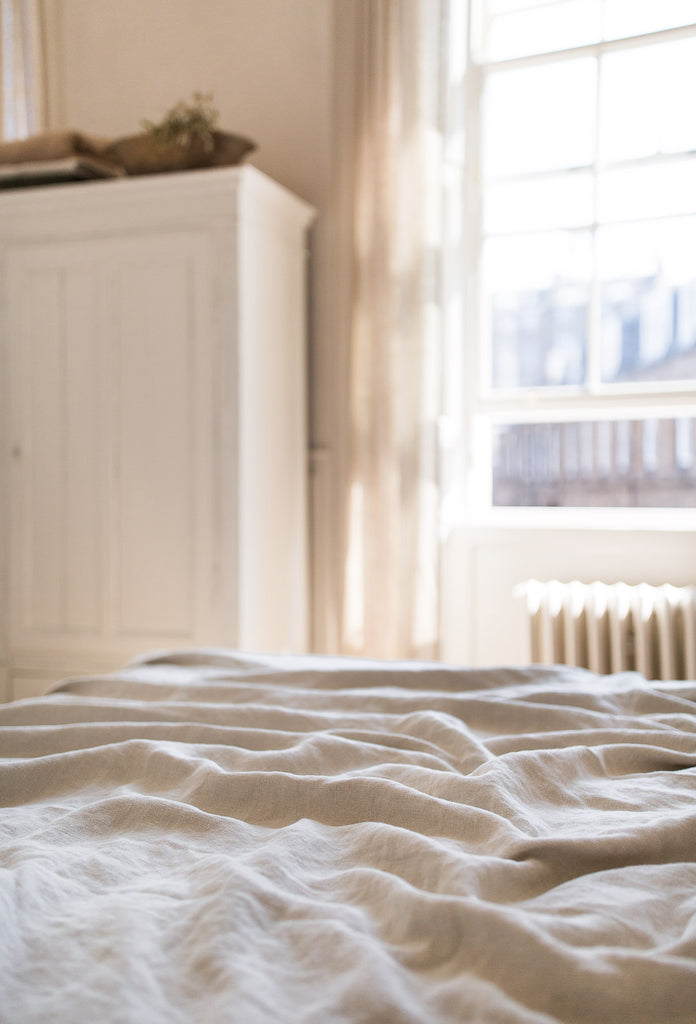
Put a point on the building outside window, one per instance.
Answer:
(581, 200)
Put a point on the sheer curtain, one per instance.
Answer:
(21, 60)
(391, 493)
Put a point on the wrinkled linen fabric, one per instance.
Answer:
(216, 837)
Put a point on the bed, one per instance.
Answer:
(210, 836)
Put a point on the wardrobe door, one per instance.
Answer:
(160, 351)
(111, 427)
(57, 440)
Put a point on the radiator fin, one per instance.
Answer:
(613, 627)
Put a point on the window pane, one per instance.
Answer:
(648, 301)
(539, 118)
(558, 201)
(646, 101)
(543, 29)
(602, 463)
(647, 190)
(536, 298)
(633, 17)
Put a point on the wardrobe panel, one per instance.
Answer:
(155, 491)
(56, 440)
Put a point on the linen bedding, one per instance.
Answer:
(209, 836)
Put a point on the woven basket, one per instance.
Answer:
(144, 154)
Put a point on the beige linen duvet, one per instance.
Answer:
(212, 837)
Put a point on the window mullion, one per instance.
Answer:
(477, 370)
(593, 351)
(593, 49)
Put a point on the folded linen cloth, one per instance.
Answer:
(49, 146)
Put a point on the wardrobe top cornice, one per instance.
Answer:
(190, 196)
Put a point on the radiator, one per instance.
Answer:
(613, 627)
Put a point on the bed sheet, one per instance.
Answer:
(209, 836)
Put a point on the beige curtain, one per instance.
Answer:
(21, 61)
(390, 556)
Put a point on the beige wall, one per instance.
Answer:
(270, 66)
(267, 62)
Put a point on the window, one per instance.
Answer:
(582, 126)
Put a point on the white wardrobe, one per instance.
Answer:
(153, 408)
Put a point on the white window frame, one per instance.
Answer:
(467, 445)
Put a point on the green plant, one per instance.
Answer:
(186, 122)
